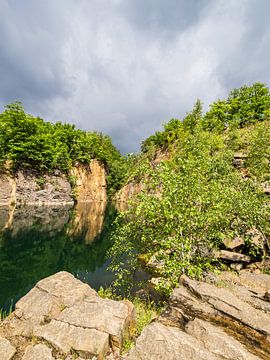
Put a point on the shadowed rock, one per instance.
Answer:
(231, 256)
(204, 321)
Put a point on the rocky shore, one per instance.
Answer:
(226, 316)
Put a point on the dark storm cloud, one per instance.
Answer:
(30, 62)
(122, 66)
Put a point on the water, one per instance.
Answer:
(36, 242)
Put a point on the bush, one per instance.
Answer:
(190, 204)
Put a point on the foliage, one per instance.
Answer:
(194, 117)
(259, 152)
(145, 311)
(29, 142)
(162, 139)
(5, 313)
(244, 106)
(190, 204)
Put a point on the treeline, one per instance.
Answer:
(30, 142)
(244, 106)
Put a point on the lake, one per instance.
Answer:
(36, 242)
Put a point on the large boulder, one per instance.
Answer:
(70, 317)
(225, 320)
(6, 349)
(158, 341)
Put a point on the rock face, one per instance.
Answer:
(206, 321)
(39, 351)
(90, 182)
(30, 188)
(70, 318)
(127, 193)
(48, 189)
(6, 349)
(7, 190)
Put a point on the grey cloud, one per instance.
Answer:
(30, 61)
(122, 66)
(163, 16)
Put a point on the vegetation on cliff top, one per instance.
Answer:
(30, 142)
(197, 197)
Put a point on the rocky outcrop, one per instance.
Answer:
(134, 187)
(7, 190)
(127, 193)
(65, 317)
(30, 188)
(90, 182)
(224, 317)
(209, 321)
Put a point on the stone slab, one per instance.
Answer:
(161, 342)
(7, 351)
(217, 341)
(67, 337)
(38, 352)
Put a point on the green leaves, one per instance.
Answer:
(244, 106)
(30, 142)
(203, 200)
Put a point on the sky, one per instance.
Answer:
(124, 67)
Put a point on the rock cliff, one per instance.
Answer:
(30, 188)
(134, 187)
(90, 182)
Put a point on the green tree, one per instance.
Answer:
(194, 117)
(190, 203)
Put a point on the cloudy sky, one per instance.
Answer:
(126, 66)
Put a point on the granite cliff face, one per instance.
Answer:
(30, 188)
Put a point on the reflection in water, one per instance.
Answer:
(36, 242)
(88, 220)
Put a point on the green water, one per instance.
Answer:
(36, 242)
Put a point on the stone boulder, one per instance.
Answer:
(222, 320)
(70, 318)
(6, 349)
(233, 243)
(158, 341)
(231, 256)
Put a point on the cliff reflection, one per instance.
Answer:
(85, 220)
(88, 220)
(36, 242)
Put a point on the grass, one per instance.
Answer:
(5, 313)
(145, 311)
